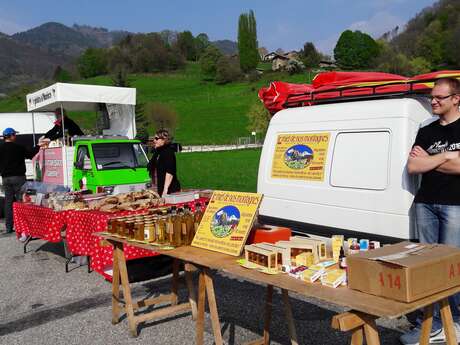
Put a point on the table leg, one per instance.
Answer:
(357, 336)
(213, 308)
(191, 289)
(201, 304)
(175, 282)
(115, 288)
(126, 290)
(426, 325)
(268, 314)
(448, 322)
(371, 332)
(289, 317)
(88, 261)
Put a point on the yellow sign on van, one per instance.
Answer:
(227, 221)
(300, 156)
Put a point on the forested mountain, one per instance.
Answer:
(227, 47)
(57, 38)
(22, 64)
(433, 34)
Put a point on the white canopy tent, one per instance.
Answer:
(119, 102)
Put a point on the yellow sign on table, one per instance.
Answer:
(227, 221)
(300, 156)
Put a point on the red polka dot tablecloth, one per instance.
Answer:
(80, 239)
(39, 222)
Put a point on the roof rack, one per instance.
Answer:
(96, 137)
(371, 90)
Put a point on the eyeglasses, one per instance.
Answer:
(157, 138)
(441, 98)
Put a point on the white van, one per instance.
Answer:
(30, 126)
(341, 168)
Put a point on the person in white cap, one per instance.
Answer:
(13, 171)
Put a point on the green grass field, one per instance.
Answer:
(225, 170)
(207, 113)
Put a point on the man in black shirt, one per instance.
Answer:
(13, 171)
(435, 155)
(69, 125)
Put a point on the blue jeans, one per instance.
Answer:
(12, 186)
(440, 224)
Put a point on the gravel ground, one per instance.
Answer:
(41, 304)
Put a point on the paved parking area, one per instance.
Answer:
(41, 304)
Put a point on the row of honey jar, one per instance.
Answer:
(170, 226)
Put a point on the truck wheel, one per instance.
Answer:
(2, 207)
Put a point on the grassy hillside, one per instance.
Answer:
(226, 170)
(208, 113)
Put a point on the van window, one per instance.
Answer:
(83, 159)
(361, 160)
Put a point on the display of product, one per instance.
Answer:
(160, 226)
(364, 244)
(334, 278)
(337, 243)
(311, 275)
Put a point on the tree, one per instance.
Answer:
(247, 42)
(420, 65)
(227, 70)
(141, 123)
(201, 43)
(355, 50)
(186, 44)
(259, 118)
(120, 77)
(208, 62)
(310, 56)
(430, 43)
(61, 75)
(160, 116)
(92, 62)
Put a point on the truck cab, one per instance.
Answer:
(109, 165)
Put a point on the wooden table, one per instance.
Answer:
(364, 308)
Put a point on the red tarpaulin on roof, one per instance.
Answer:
(330, 85)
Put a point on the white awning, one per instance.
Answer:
(79, 97)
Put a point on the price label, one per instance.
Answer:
(390, 280)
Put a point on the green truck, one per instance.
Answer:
(109, 165)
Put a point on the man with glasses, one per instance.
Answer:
(435, 155)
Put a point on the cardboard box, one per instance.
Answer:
(405, 271)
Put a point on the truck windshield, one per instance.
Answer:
(119, 156)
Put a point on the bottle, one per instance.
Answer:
(180, 228)
(354, 248)
(197, 215)
(161, 231)
(188, 223)
(170, 218)
(342, 259)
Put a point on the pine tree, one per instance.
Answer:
(247, 41)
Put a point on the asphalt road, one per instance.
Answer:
(41, 304)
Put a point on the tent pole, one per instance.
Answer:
(64, 151)
(33, 128)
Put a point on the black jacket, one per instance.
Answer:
(164, 161)
(12, 158)
(71, 127)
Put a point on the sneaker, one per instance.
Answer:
(413, 336)
(436, 336)
(23, 237)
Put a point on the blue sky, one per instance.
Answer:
(285, 24)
